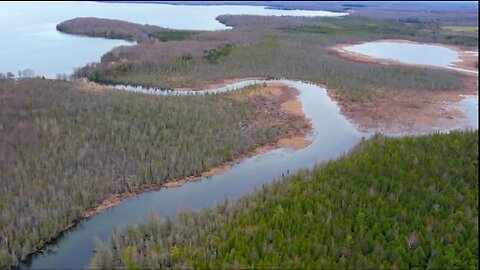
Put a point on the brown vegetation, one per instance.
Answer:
(278, 47)
(390, 203)
(76, 147)
(277, 100)
(466, 63)
(412, 111)
(108, 28)
(378, 97)
(419, 12)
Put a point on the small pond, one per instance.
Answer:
(408, 53)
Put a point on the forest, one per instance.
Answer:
(400, 203)
(408, 202)
(64, 149)
(455, 13)
(116, 29)
(295, 48)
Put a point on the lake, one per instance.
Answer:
(29, 39)
(408, 53)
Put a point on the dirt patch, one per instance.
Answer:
(91, 86)
(175, 183)
(410, 111)
(108, 203)
(468, 63)
(291, 112)
(296, 143)
(293, 107)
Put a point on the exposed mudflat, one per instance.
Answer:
(467, 64)
(412, 111)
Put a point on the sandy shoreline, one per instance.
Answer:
(465, 65)
(411, 111)
(416, 112)
(398, 113)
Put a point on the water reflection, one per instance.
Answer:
(332, 136)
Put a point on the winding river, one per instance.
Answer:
(332, 136)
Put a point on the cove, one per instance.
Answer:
(29, 39)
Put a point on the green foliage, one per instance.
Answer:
(215, 55)
(400, 203)
(64, 149)
(283, 58)
(115, 35)
(461, 40)
(361, 28)
(172, 35)
(318, 30)
(468, 29)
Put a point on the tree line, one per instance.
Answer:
(64, 149)
(399, 203)
(281, 47)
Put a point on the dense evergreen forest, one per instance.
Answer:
(277, 47)
(399, 203)
(64, 149)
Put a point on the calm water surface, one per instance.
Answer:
(469, 104)
(409, 53)
(333, 135)
(29, 39)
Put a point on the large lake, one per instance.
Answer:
(29, 39)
